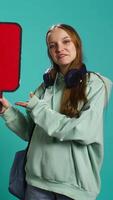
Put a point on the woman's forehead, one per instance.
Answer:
(57, 33)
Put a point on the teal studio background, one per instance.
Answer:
(94, 22)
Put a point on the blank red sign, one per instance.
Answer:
(10, 56)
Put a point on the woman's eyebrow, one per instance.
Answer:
(66, 37)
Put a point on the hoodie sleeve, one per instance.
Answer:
(86, 129)
(20, 123)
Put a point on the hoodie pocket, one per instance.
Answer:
(57, 163)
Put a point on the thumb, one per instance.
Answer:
(31, 94)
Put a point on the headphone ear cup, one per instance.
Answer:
(73, 76)
(48, 81)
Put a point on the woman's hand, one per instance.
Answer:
(24, 104)
(4, 105)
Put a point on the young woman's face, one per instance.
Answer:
(61, 48)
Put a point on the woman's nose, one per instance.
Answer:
(59, 47)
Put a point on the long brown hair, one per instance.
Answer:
(71, 96)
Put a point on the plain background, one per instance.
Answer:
(93, 19)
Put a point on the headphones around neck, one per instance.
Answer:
(72, 77)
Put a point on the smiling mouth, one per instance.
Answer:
(62, 56)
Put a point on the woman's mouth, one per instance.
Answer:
(62, 56)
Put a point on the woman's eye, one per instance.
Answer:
(66, 41)
(51, 46)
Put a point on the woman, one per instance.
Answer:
(66, 150)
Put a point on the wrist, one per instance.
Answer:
(3, 109)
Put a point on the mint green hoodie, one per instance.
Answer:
(65, 154)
